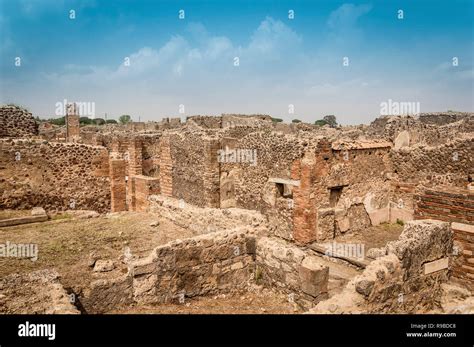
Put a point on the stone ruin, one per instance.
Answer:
(264, 200)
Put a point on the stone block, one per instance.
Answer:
(313, 276)
(436, 265)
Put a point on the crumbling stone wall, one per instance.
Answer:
(428, 129)
(291, 270)
(405, 278)
(195, 175)
(207, 264)
(56, 176)
(203, 265)
(208, 122)
(17, 122)
(448, 164)
(204, 220)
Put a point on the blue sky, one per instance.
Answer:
(282, 61)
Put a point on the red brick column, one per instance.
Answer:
(117, 185)
(463, 264)
(72, 128)
(135, 157)
(305, 213)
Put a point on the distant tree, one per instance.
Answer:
(277, 120)
(331, 120)
(296, 121)
(57, 121)
(320, 122)
(85, 121)
(99, 121)
(124, 119)
(111, 121)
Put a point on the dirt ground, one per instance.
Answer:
(374, 236)
(65, 243)
(256, 301)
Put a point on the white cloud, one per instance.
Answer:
(347, 15)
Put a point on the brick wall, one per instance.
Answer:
(166, 167)
(463, 265)
(72, 128)
(143, 187)
(118, 188)
(451, 205)
(456, 206)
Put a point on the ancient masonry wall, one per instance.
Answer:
(352, 188)
(56, 176)
(17, 122)
(134, 168)
(448, 204)
(203, 265)
(166, 167)
(204, 220)
(431, 130)
(289, 269)
(463, 265)
(118, 189)
(447, 164)
(406, 278)
(143, 188)
(151, 155)
(455, 206)
(195, 169)
(72, 128)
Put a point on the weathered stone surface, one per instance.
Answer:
(364, 287)
(313, 276)
(103, 266)
(38, 211)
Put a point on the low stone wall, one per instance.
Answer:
(202, 265)
(289, 269)
(203, 220)
(406, 278)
